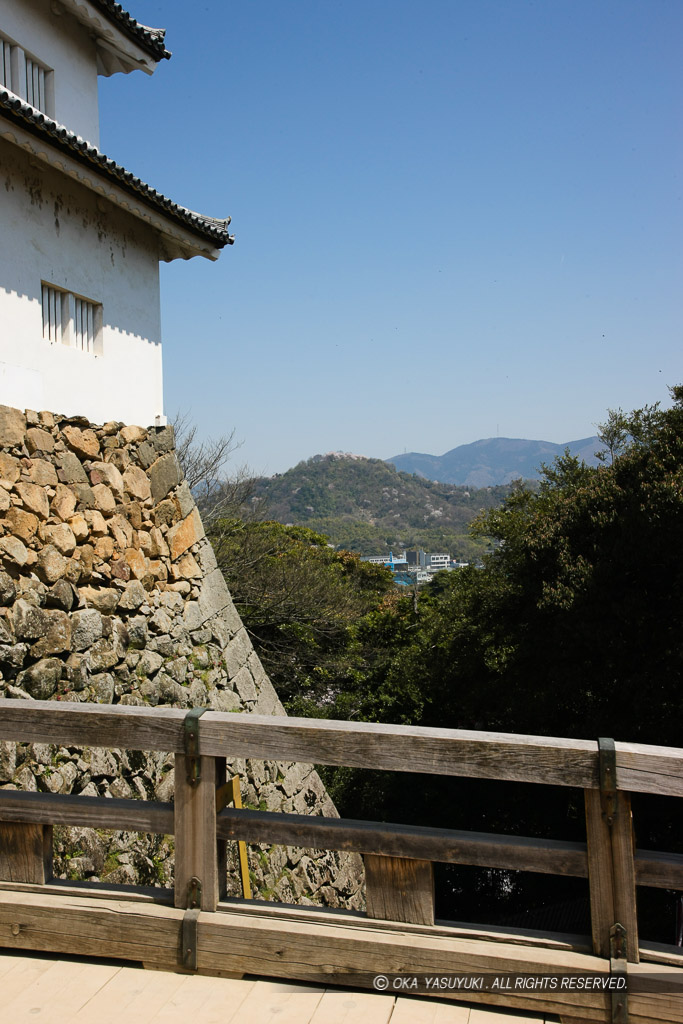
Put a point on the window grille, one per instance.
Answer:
(84, 325)
(35, 84)
(25, 76)
(70, 320)
(52, 314)
(6, 64)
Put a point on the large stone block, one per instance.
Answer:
(163, 476)
(34, 499)
(22, 524)
(107, 473)
(83, 442)
(13, 552)
(42, 473)
(12, 426)
(104, 499)
(136, 483)
(237, 653)
(42, 679)
(86, 629)
(184, 534)
(213, 596)
(38, 440)
(61, 537)
(57, 637)
(29, 622)
(132, 434)
(64, 502)
(10, 469)
(163, 438)
(70, 469)
(51, 565)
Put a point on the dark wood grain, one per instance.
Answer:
(398, 889)
(389, 840)
(540, 759)
(25, 852)
(92, 811)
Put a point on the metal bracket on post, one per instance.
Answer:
(191, 744)
(608, 779)
(618, 970)
(190, 924)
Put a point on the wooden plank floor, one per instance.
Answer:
(49, 990)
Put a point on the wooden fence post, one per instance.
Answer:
(611, 872)
(399, 889)
(198, 853)
(25, 852)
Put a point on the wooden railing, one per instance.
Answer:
(398, 859)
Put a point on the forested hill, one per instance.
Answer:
(366, 505)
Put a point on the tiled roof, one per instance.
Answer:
(16, 110)
(152, 39)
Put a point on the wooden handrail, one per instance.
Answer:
(398, 858)
(486, 755)
(480, 849)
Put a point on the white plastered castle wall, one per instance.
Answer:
(60, 233)
(65, 46)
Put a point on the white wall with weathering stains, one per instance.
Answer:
(68, 50)
(56, 231)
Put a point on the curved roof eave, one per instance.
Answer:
(16, 110)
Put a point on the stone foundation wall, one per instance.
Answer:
(110, 592)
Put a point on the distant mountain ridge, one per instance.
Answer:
(493, 460)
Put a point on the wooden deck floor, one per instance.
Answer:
(50, 990)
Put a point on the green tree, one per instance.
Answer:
(299, 600)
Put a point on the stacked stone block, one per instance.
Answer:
(110, 592)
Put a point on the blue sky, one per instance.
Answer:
(453, 218)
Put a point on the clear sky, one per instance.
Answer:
(453, 218)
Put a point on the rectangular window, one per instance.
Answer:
(71, 320)
(26, 76)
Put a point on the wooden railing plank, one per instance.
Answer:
(435, 844)
(92, 725)
(504, 756)
(658, 869)
(516, 853)
(306, 949)
(91, 811)
(403, 748)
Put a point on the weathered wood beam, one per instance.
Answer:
(197, 853)
(481, 849)
(25, 852)
(399, 889)
(611, 873)
(91, 811)
(515, 853)
(504, 756)
(314, 948)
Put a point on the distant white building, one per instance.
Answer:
(81, 236)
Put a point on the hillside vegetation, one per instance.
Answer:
(367, 506)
